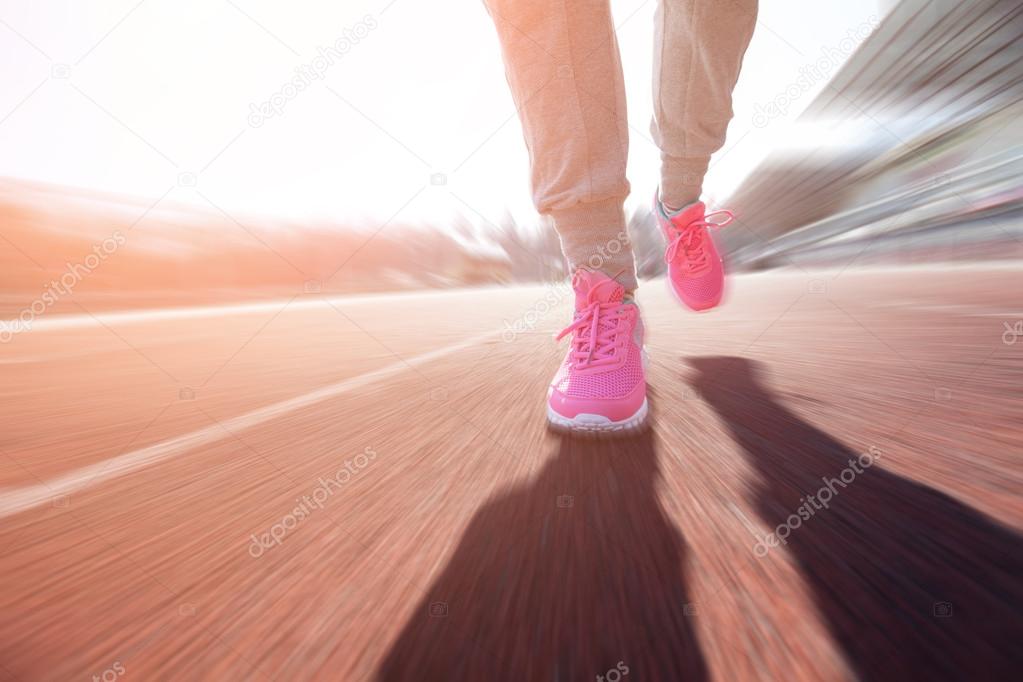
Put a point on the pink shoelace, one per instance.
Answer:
(692, 238)
(594, 332)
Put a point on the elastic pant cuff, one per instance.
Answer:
(682, 179)
(603, 248)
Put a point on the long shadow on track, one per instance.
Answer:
(543, 587)
(912, 583)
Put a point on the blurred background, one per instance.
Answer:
(275, 335)
(251, 160)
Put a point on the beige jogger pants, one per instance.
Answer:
(562, 63)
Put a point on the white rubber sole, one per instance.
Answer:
(596, 423)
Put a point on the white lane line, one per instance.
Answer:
(73, 321)
(15, 500)
(964, 309)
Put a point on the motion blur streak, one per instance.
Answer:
(479, 546)
(913, 152)
(179, 379)
(13, 501)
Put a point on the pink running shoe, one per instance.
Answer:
(600, 385)
(694, 266)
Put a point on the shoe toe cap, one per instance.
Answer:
(615, 409)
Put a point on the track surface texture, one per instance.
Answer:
(365, 489)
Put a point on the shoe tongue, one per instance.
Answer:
(596, 287)
(689, 214)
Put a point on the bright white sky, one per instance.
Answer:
(126, 96)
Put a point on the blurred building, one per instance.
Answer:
(913, 151)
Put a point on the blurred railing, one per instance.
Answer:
(915, 149)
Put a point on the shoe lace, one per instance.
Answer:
(691, 241)
(595, 334)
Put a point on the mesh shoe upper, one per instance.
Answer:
(604, 361)
(612, 383)
(694, 265)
